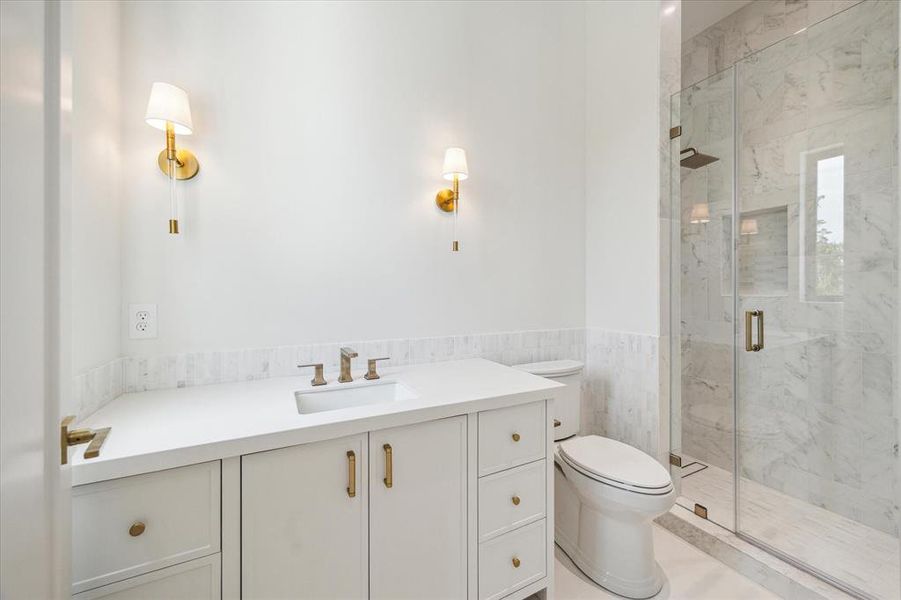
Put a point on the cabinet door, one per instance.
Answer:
(418, 524)
(303, 535)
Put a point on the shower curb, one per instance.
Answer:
(776, 575)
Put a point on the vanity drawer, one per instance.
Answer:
(125, 527)
(498, 573)
(511, 499)
(195, 580)
(511, 436)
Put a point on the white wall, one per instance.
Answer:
(96, 202)
(320, 129)
(622, 166)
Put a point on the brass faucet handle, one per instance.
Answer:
(318, 379)
(371, 373)
(348, 352)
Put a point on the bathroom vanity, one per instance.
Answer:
(434, 481)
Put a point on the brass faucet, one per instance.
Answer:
(346, 355)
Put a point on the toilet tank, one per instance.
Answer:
(568, 400)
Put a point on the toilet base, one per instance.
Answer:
(638, 590)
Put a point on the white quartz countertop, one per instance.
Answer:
(172, 428)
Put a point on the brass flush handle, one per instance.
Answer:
(515, 500)
(516, 563)
(750, 346)
(136, 529)
(389, 466)
(515, 437)
(351, 473)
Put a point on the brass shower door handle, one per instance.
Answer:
(351, 473)
(389, 466)
(750, 315)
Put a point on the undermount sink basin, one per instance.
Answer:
(363, 394)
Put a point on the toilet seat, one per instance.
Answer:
(615, 464)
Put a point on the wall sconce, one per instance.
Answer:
(700, 213)
(168, 110)
(448, 200)
(749, 227)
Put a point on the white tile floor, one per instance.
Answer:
(850, 551)
(690, 575)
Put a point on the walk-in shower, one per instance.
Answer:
(784, 277)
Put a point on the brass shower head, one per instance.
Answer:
(696, 160)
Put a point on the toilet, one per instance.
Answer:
(606, 494)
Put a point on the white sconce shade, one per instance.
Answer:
(169, 103)
(700, 213)
(455, 164)
(749, 227)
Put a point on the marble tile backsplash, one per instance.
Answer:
(96, 387)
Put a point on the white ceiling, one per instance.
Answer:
(698, 15)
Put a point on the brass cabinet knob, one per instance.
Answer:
(515, 500)
(557, 423)
(516, 563)
(515, 437)
(136, 529)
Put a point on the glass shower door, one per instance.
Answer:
(817, 244)
(701, 387)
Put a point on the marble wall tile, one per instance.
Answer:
(97, 387)
(621, 388)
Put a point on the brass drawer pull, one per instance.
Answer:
(136, 529)
(389, 466)
(515, 437)
(516, 500)
(351, 473)
(516, 563)
(557, 423)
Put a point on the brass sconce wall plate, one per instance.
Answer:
(445, 200)
(186, 167)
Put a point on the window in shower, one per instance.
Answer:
(823, 226)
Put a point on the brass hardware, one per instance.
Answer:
(318, 379)
(346, 355)
(351, 473)
(557, 423)
(97, 440)
(389, 466)
(173, 226)
(370, 371)
(186, 165)
(675, 460)
(445, 200)
(67, 438)
(516, 563)
(750, 346)
(515, 437)
(515, 500)
(455, 246)
(675, 132)
(136, 529)
(701, 511)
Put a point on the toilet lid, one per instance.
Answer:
(609, 459)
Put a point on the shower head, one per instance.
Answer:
(696, 160)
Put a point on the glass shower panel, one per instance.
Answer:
(701, 297)
(817, 244)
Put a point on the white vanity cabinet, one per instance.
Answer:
(304, 521)
(456, 506)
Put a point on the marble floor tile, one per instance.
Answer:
(861, 556)
(690, 575)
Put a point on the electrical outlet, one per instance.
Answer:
(141, 321)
